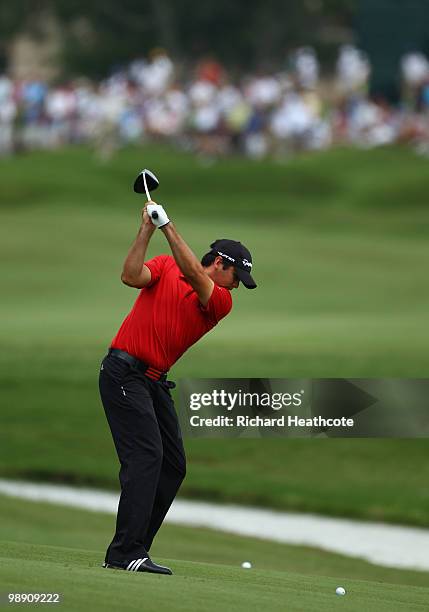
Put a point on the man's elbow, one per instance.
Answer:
(127, 280)
(138, 282)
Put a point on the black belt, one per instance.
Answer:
(149, 371)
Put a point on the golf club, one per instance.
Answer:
(146, 182)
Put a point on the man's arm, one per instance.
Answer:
(189, 264)
(135, 273)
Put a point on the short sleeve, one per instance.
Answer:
(156, 267)
(219, 304)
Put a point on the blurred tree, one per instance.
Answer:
(21, 17)
(100, 34)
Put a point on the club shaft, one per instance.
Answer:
(145, 187)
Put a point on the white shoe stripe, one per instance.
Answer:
(136, 567)
(131, 565)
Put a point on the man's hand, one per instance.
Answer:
(146, 220)
(157, 214)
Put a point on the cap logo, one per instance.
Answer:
(247, 263)
(227, 256)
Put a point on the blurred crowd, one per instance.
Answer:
(206, 111)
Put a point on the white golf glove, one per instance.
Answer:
(157, 215)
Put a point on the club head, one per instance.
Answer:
(151, 181)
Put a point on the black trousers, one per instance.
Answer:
(147, 437)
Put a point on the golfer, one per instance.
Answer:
(180, 300)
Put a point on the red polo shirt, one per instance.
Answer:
(167, 317)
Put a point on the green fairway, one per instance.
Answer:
(83, 585)
(340, 248)
(206, 564)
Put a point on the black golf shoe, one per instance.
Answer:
(138, 565)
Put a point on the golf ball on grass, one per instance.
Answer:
(246, 565)
(340, 591)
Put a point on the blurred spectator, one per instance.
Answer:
(153, 76)
(415, 73)
(263, 91)
(425, 96)
(60, 109)
(306, 67)
(415, 68)
(8, 112)
(210, 70)
(236, 112)
(353, 70)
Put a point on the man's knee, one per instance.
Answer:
(175, 470)
(181, 470)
